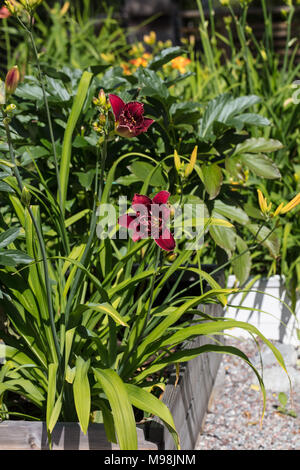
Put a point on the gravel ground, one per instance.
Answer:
(233, 418)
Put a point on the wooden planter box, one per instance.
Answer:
(187, 401)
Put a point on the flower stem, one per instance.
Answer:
(153, 283)
(87, 252)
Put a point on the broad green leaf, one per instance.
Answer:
(261, 165)
(149, 403)
(165, 56)
(268, 239)
(142, 169)
(55, 413)
(250, 119)
(52, 371)
(9, 236)
(209, 279)
(22, 386)
(6, 188)
(82, 393)
(13, 258)
(213, 178)
(158, 332)
(242, 264)
(67, 142)
(258, 145)
(108, 310)
(232, 212)
(222, 110)
(225, 237)
(117, 395)
(216, 327)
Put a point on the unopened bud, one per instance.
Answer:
(13, 6)
(10, 108)
(172, 257)
(190, 166)
(26, 197)
(30, 5)
(102, 98)
(177, 161)
(102, 119)
(248, 29)
(12, 80)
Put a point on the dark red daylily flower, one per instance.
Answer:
(150, 219)
(129, 117)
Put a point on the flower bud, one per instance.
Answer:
(102, 98)
(13, 7)
(26, 197)
(177, 161)
(12, 80)
(10, 108)
(190, 166)
(150, 38)
(30, 5)
(248, 29)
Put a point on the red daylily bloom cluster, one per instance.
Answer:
(150, 220)
(129, 117)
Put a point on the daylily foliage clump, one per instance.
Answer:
(91, 324)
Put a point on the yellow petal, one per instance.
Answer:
(177, 160)
(192, 162)
(293, 203)
(278, 210)
(262, 201)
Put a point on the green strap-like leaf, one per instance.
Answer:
(67, 142)
(82, 393)
(52, 370)
(117, 395)
(149, 403)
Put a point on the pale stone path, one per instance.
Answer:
(234, 414)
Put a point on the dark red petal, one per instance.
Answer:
(141, 199)
(143, 127)
(125, 220)
(117, 105)
(135, 108)
(166, 241)
(147, 123)
(161, 197)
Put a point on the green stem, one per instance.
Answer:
(155, 274)
(207, 47)
(55, 350)
(87, 252)
(7, 44)
(289, 33)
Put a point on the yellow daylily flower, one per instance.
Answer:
(281, 209)
(190, 166)
(290, 205)
(264, 207)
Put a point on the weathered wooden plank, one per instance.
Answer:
(188, 401)
(26, 435)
